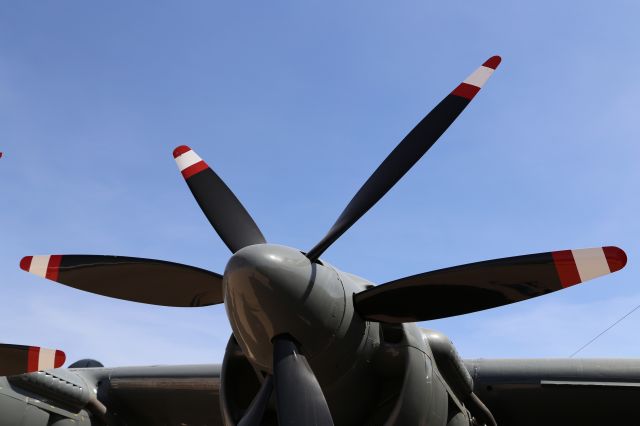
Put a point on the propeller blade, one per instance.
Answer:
(299, 398)
(483, 285)
(18, 359)
(224, 211)
(407, 153)
(129, 278)
(255, 412)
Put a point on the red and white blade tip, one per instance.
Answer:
(47, 266)
(616, 258)
(43, 359)
(578, 266)
(492, 62)
(189, 163)
(472, 84)
(180, 150)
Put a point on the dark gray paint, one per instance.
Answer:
(369, 372)
(225, 212)
(558, 391)
(299, 397)
(518, 392)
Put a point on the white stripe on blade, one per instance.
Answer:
(39, 265)
(479, 76)
(591, 263)
(46, 359)
(187, 159)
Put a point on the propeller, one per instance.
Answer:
(224, 211)
(255, 412)
(18, 359)
(154, 281)
(483, 285)
(299, 398)
(172, 284)
(407, 153)
(129, 278)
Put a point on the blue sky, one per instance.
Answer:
(294, 104)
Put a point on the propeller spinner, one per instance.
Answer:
(287, 308)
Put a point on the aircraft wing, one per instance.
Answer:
(558, 391)
(519, 392)
(167, 395)
(162, 395)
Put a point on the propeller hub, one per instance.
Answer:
(271, 290)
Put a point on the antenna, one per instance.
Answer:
(604, 331)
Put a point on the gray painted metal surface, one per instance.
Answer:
(517, 391)
(558, 391)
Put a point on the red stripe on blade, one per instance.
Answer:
(32, 359)
(493, 62)
(59, 359)
(466, 91)
(566, 267)
(25, 263)
(616, 258)
(180, 150)
(194, 169)
(53, 267)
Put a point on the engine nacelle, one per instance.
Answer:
(61, 399)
